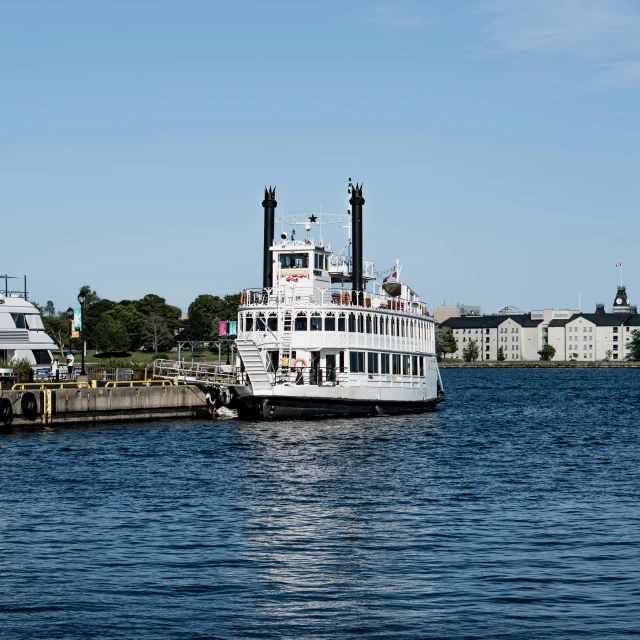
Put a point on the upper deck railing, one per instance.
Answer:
(332, 297)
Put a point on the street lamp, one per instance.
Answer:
(81, 300)
(70, 316)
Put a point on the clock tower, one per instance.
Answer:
(621, 302)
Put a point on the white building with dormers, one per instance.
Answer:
(574, 335)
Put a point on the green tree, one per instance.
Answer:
(501, 354)
(92, 318)
(58, 328)
(110, 335)
(50, 308)
(156, 334)
(153, 303)
(204, 313)
(634, 345)
(445, 342)
(471, 351)
(231, 304)
(132, 320)
(547, 352)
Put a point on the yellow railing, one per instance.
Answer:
(21, 386)
(141, 383)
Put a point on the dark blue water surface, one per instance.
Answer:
(512, 513)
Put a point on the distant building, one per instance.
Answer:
(574, 335)
(517, 335)
(508, 310)
(442, 313)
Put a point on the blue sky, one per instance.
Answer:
(497, 141)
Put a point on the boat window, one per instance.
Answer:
(341, 322)
(34, 322)
(360, 323)
(301, 323)
(406, 371)
(294, 260)
(422, 367)
(411, 328)
(414, 365)
(330, 322)
(369, 330)
(372, 362)
(272, 323)
(316, 322)
(352, 322)
(320, 261)
(248, 323)
(260, 323)
(18, 319)
(356, 361)
(384, 363)
(41, 356)
(375, 324)
(395, 361)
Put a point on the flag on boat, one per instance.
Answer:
(222, 328)
(619, 264)
(393, 275)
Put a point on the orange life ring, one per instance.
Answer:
(241, 299)
(295, 363)
(345, 297)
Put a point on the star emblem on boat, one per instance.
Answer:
(312, 218)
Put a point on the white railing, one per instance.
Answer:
(194, 371)
(333, 297)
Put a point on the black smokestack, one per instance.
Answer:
(356, 201)
(269, 203)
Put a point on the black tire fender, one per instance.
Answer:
(6, 411)
(29, 406)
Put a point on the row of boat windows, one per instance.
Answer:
(301, 261)
(386, 363)
(351, 322)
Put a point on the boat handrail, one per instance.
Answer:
(334, 297)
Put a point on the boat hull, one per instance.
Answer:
(250, 407)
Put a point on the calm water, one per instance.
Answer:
(513, 513)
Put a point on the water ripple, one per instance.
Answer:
(511, 514)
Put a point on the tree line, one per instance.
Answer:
(148, 323)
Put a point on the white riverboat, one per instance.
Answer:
(22, 334)
(326, 335)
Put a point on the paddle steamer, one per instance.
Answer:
(326, 335)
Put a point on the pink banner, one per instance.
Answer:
(222, 328)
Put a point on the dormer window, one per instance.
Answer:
(294, 260)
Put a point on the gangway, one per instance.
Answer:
(191, 372)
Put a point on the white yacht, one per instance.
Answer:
(22, 333)
(327, 335)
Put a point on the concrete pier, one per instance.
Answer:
(34, 406)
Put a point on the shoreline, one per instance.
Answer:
(532, 364)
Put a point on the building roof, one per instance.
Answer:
(605, 319)
(599, 319)
(473, 322)
(525, 321)
(488, 322)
